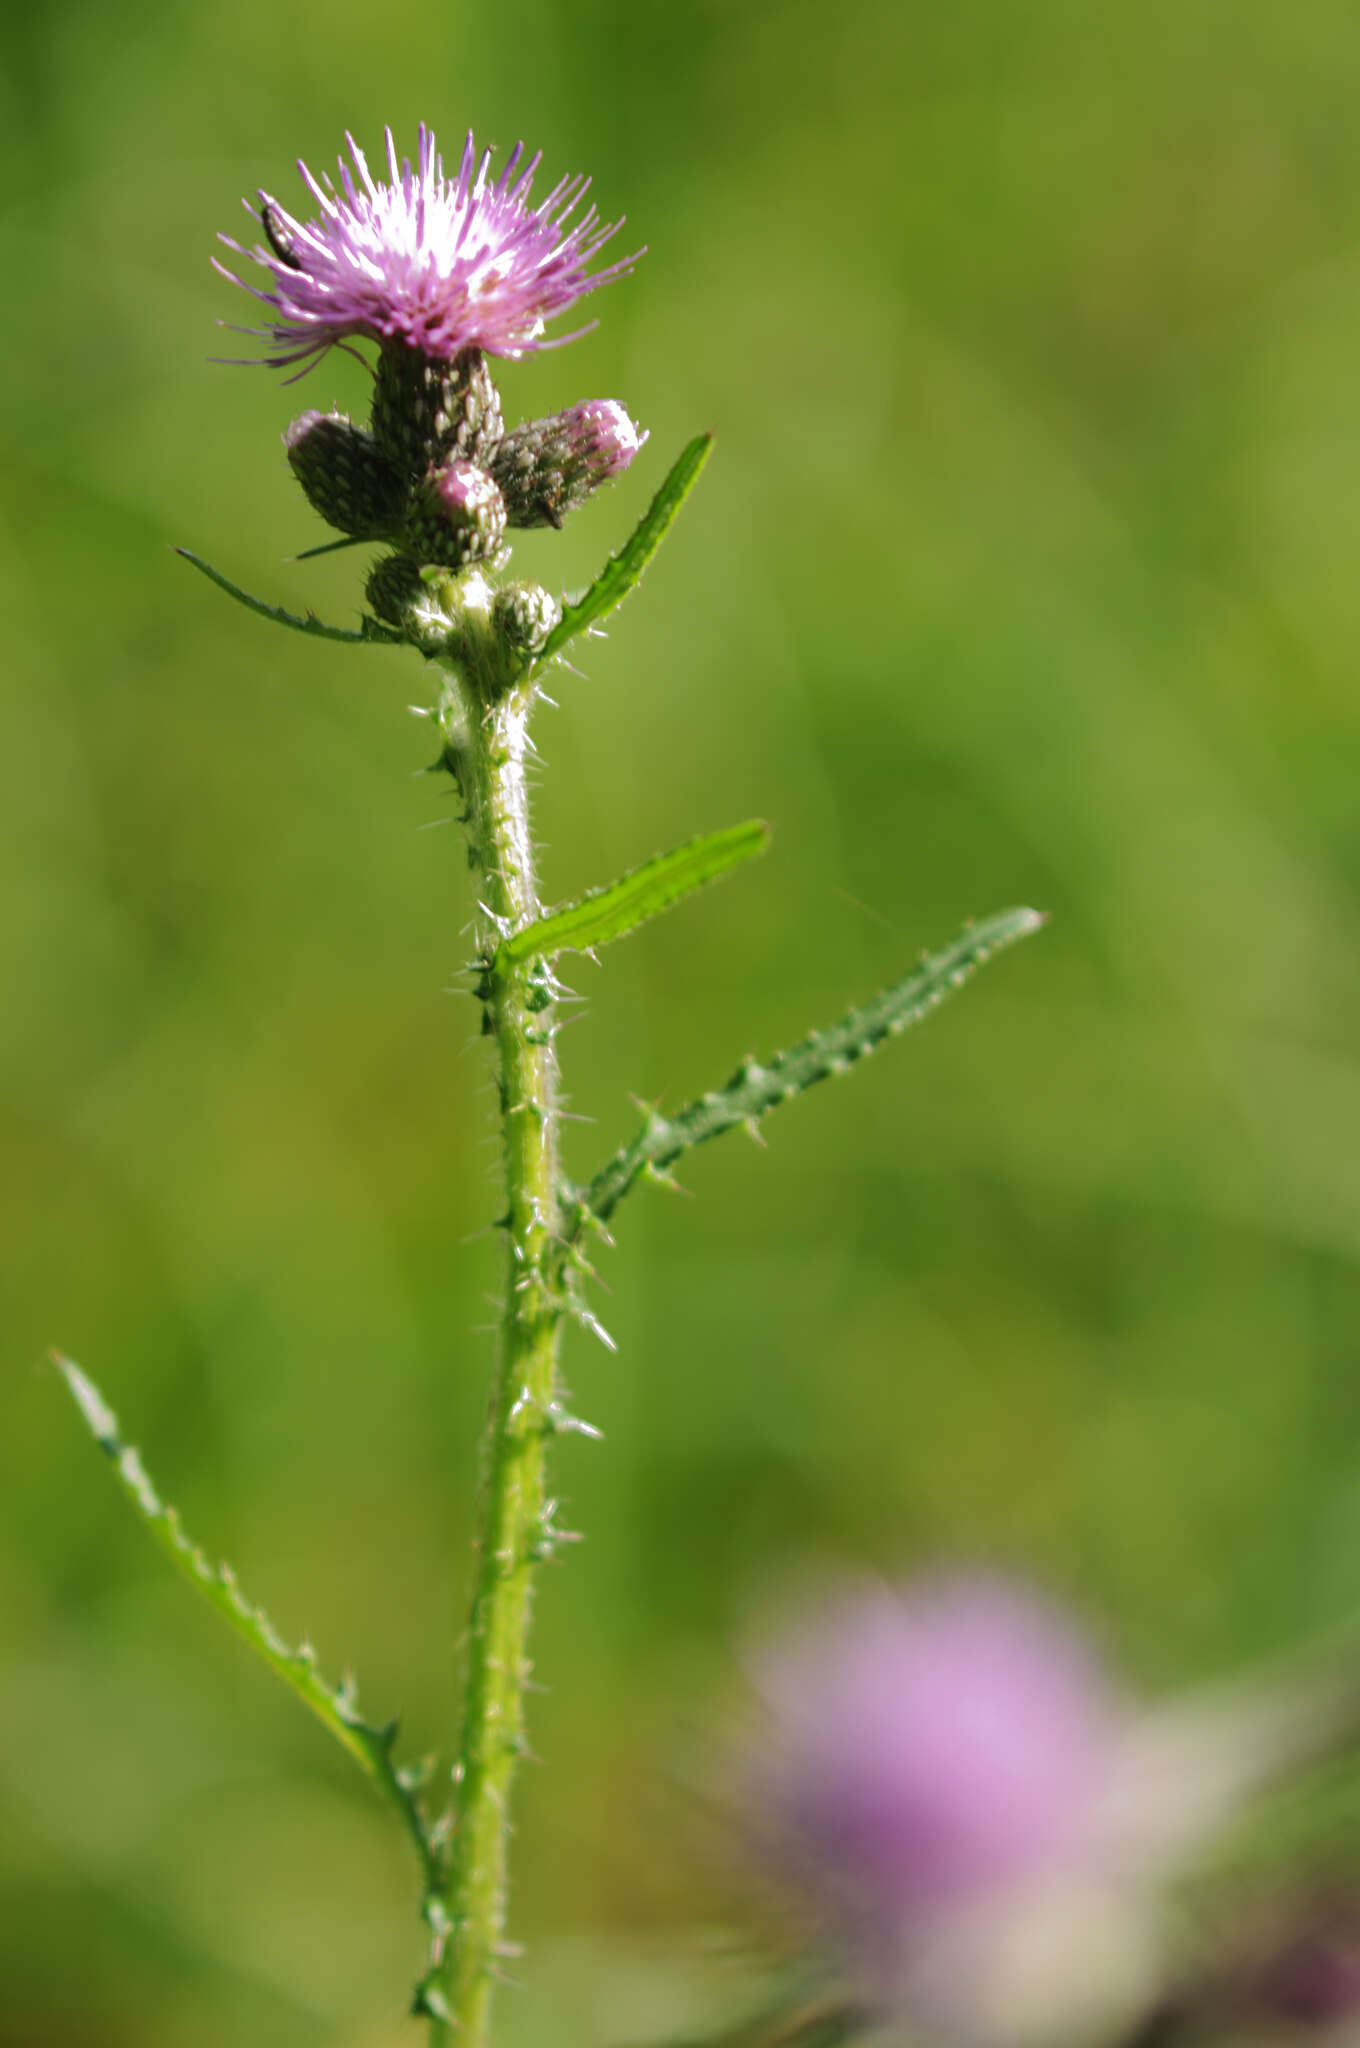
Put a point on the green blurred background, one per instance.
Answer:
(1025, 571)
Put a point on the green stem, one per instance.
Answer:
(484, 717)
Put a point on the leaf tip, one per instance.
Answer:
(103, 1423)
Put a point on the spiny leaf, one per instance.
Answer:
(369, 630)
(622, 570)
(619, 907)
(756, 1087)
(336, 1708)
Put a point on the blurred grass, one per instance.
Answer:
(1025, 570)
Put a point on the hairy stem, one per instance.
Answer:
(484, 718)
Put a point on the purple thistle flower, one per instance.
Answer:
(980, 1829)
(930, 1789)
(440, 264)
(930, 1749)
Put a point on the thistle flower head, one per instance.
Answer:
(929, 1748)
(440, 264)
(927, 1791)
(982, 1828)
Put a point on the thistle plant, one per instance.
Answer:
(436, 276)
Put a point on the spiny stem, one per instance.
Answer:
(484, 716)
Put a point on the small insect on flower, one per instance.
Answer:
(278, 236)
(441, 264)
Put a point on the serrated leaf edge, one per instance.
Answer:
(692, 866)
(336, 1707)
(622, 572)
(757, 1086)
(371, 631)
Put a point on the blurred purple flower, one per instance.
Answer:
(929, 1748)
(978, 1825)
(441, 264)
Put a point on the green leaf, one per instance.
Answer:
(623, 570)
(758, 1087)
(333, 547)
(644, 892)
(370, 630)
(336, 1707)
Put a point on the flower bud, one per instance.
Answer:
(347, 478)
(548, 468)
(523, 615)
(457, 516)
(394, 583)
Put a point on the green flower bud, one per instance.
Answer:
(394, 583)
(523, 615)
(347, 478)
(548, 468)
(457, 516)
